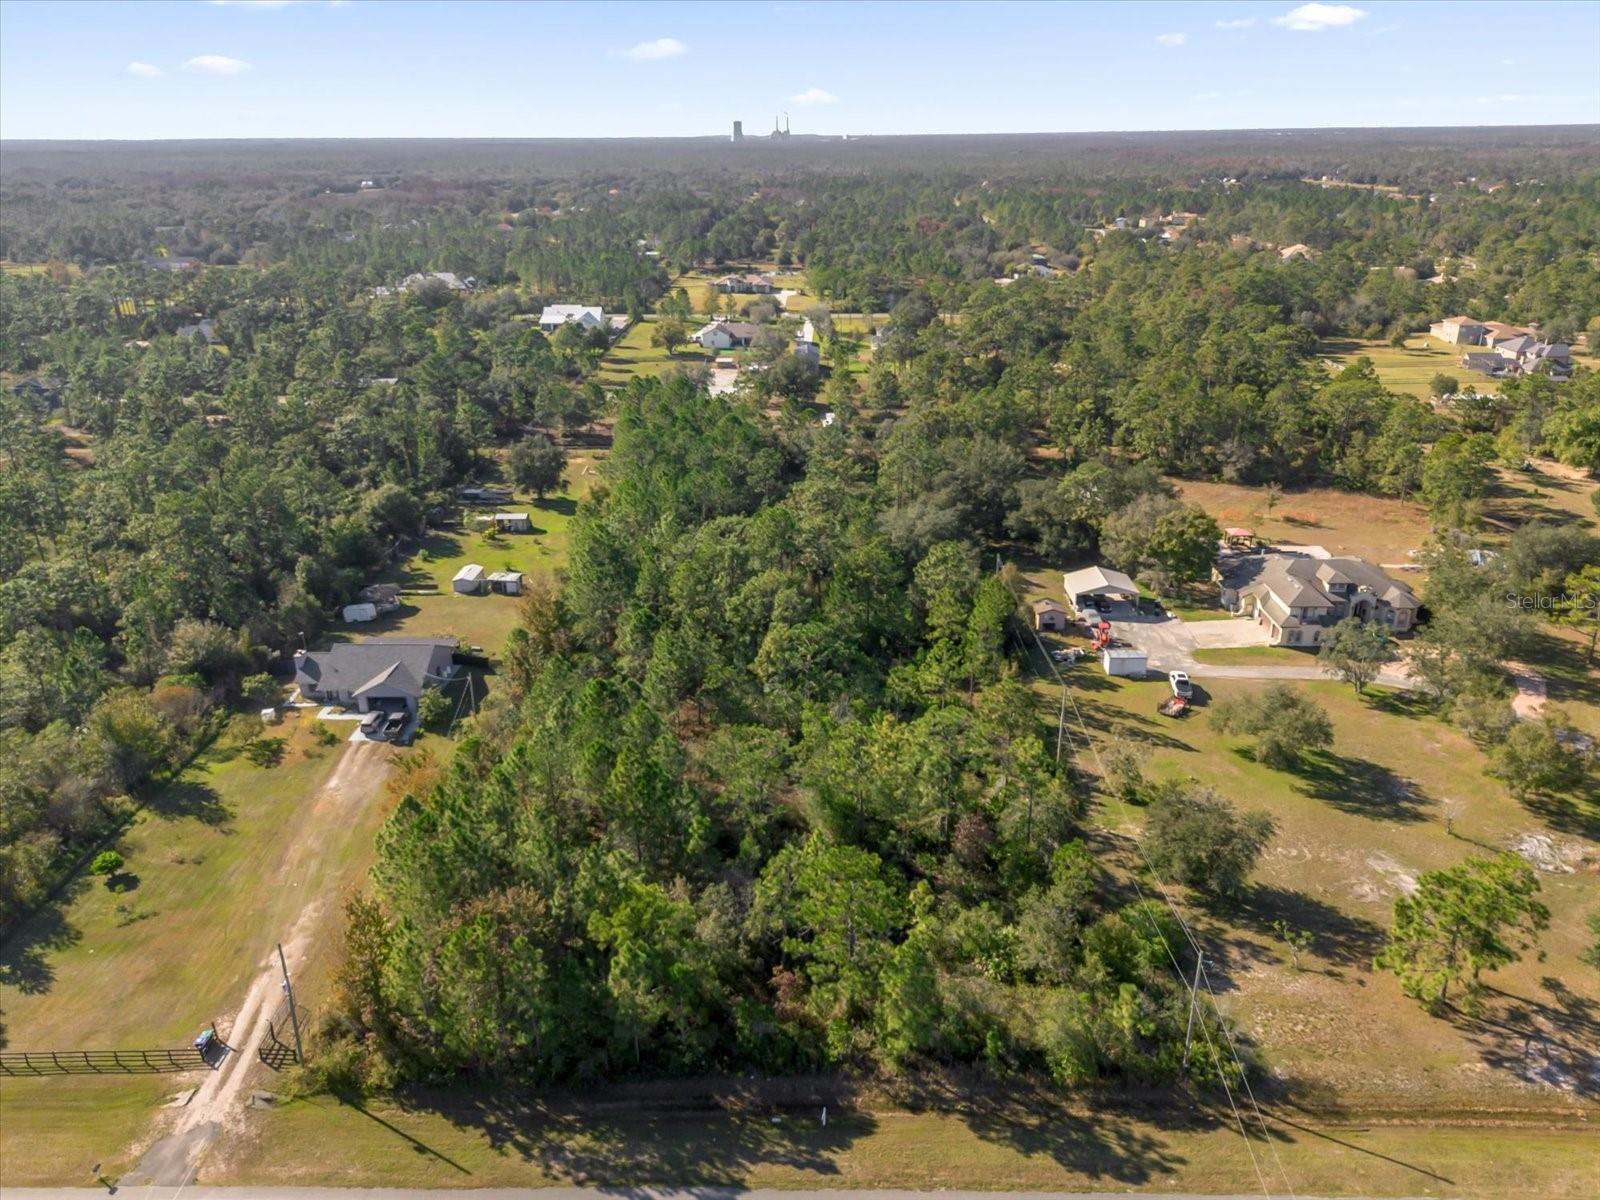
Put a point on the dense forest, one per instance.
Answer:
(765, 790)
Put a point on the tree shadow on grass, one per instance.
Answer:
(1554, 1042)
(1367, 789)
(686, 1144)
(565, 505)
(1337, 937)
(25, 952)
(189, 799)
(1564, 814)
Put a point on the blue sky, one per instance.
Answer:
(409, 68)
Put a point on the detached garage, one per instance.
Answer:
(1097, 588)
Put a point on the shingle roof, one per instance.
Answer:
(356, 666)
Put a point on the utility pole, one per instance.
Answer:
(294, 1017)
(1061, 722)
(1194, 1000)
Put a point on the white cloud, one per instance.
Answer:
(216, 64)
(662, 47)
(1241, 23)
(814, 95)
(144, 70)
(1172, 39)
(1314, 18)
(1507, 98)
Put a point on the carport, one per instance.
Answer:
(1098, 589)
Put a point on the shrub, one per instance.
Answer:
(107, 863)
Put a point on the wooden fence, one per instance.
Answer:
(100, 1062)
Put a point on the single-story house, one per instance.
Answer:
(1049, 615)
(1462, 331)
(746, 284)
(1298, 250)
(585, 316)
(1123, 660)
(725, 335)
(506, 583)
(512, 522)
(1083, 586)
(469, 580)
(377, 674)
(1296, 598)
(1489, 363)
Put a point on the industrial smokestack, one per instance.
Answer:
(738, 131)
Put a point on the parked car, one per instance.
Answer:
(1180, 684)
(395, 723)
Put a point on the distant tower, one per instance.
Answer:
(738, 131)
(785, 124)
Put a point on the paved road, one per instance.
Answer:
(584, 1193)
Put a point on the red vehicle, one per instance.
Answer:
(1173, 706)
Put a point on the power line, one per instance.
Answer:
(1200, 975)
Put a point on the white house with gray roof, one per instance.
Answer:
(375, 675)
(1296, 597)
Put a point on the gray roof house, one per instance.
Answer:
(377, 674)
(1296, 597)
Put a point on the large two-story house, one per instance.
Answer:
(1297, 597)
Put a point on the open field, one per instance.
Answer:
(481, 620)
(1410, 369)
(489, 1140)
(632, 356)
(1356, 824)
(150, 965)
(1376, 528)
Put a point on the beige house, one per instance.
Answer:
(1297, 598)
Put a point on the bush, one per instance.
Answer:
(107, 863)
(1195, 836)
(1285, 724)
(434, 708)
(324, 735)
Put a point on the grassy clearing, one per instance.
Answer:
(1356, 825)
(1409, 369)
(39, 268)
(502, 1141)
(481, 620)
(150, 965)
(632, 356)
(1376, 528)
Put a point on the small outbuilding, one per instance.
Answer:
(512, 522)
(1049, 615)
(506, 583)
(469, 581)
(1125, 661)
(354, 614)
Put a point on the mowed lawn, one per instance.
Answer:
(503, 1139)
(1357, 824)
(1410, 369)
(632, 356)
(483, 620)
(216, 880)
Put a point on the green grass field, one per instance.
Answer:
(482, 620)
(493, 1140)
(1410, 369)
(1356, 824)
(632, 356)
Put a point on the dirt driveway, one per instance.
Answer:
(218, 1102)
